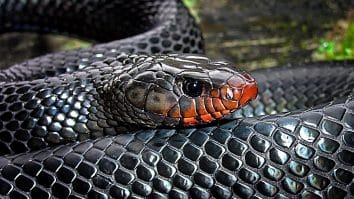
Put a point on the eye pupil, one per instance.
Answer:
(193, 88)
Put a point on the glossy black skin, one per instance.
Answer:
(308, 151)
(109, 97)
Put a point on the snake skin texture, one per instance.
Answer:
(153, 26)
(295, 140)
(116, 95)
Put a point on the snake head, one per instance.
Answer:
(211, 91)
(178, 90)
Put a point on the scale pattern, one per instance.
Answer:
(114, 96)
(289, 150)
(307, 154)
(162, 27)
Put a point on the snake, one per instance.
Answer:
(144, 114)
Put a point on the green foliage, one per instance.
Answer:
(327, 47)
(342, 48)
(74, 43)
(192, 5)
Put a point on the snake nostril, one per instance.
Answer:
(229, 94)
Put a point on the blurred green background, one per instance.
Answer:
(253, 34)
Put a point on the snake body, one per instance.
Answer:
(303, 148)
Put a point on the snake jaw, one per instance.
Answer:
(250, 92)
(237, 91)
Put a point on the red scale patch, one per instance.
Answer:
(207, 118)
(218, 104)
(209, 105)
(201, 106)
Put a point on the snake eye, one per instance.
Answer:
(193, 87)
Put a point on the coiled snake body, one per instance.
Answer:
(95, 95)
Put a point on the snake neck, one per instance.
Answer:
(114, 84)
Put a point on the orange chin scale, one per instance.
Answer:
(190, 121)
(175, 112)
(225, 112)
(200, 106)
(188, 107)
(209, 105)
(207, 118)
(218, 104)
(229, 105)
(217, 115)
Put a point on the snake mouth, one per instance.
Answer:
(244, 88)
(238, 91)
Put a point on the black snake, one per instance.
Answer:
(305, 148)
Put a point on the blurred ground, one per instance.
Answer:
(18, 47)
(254, 34)
(265, 33)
